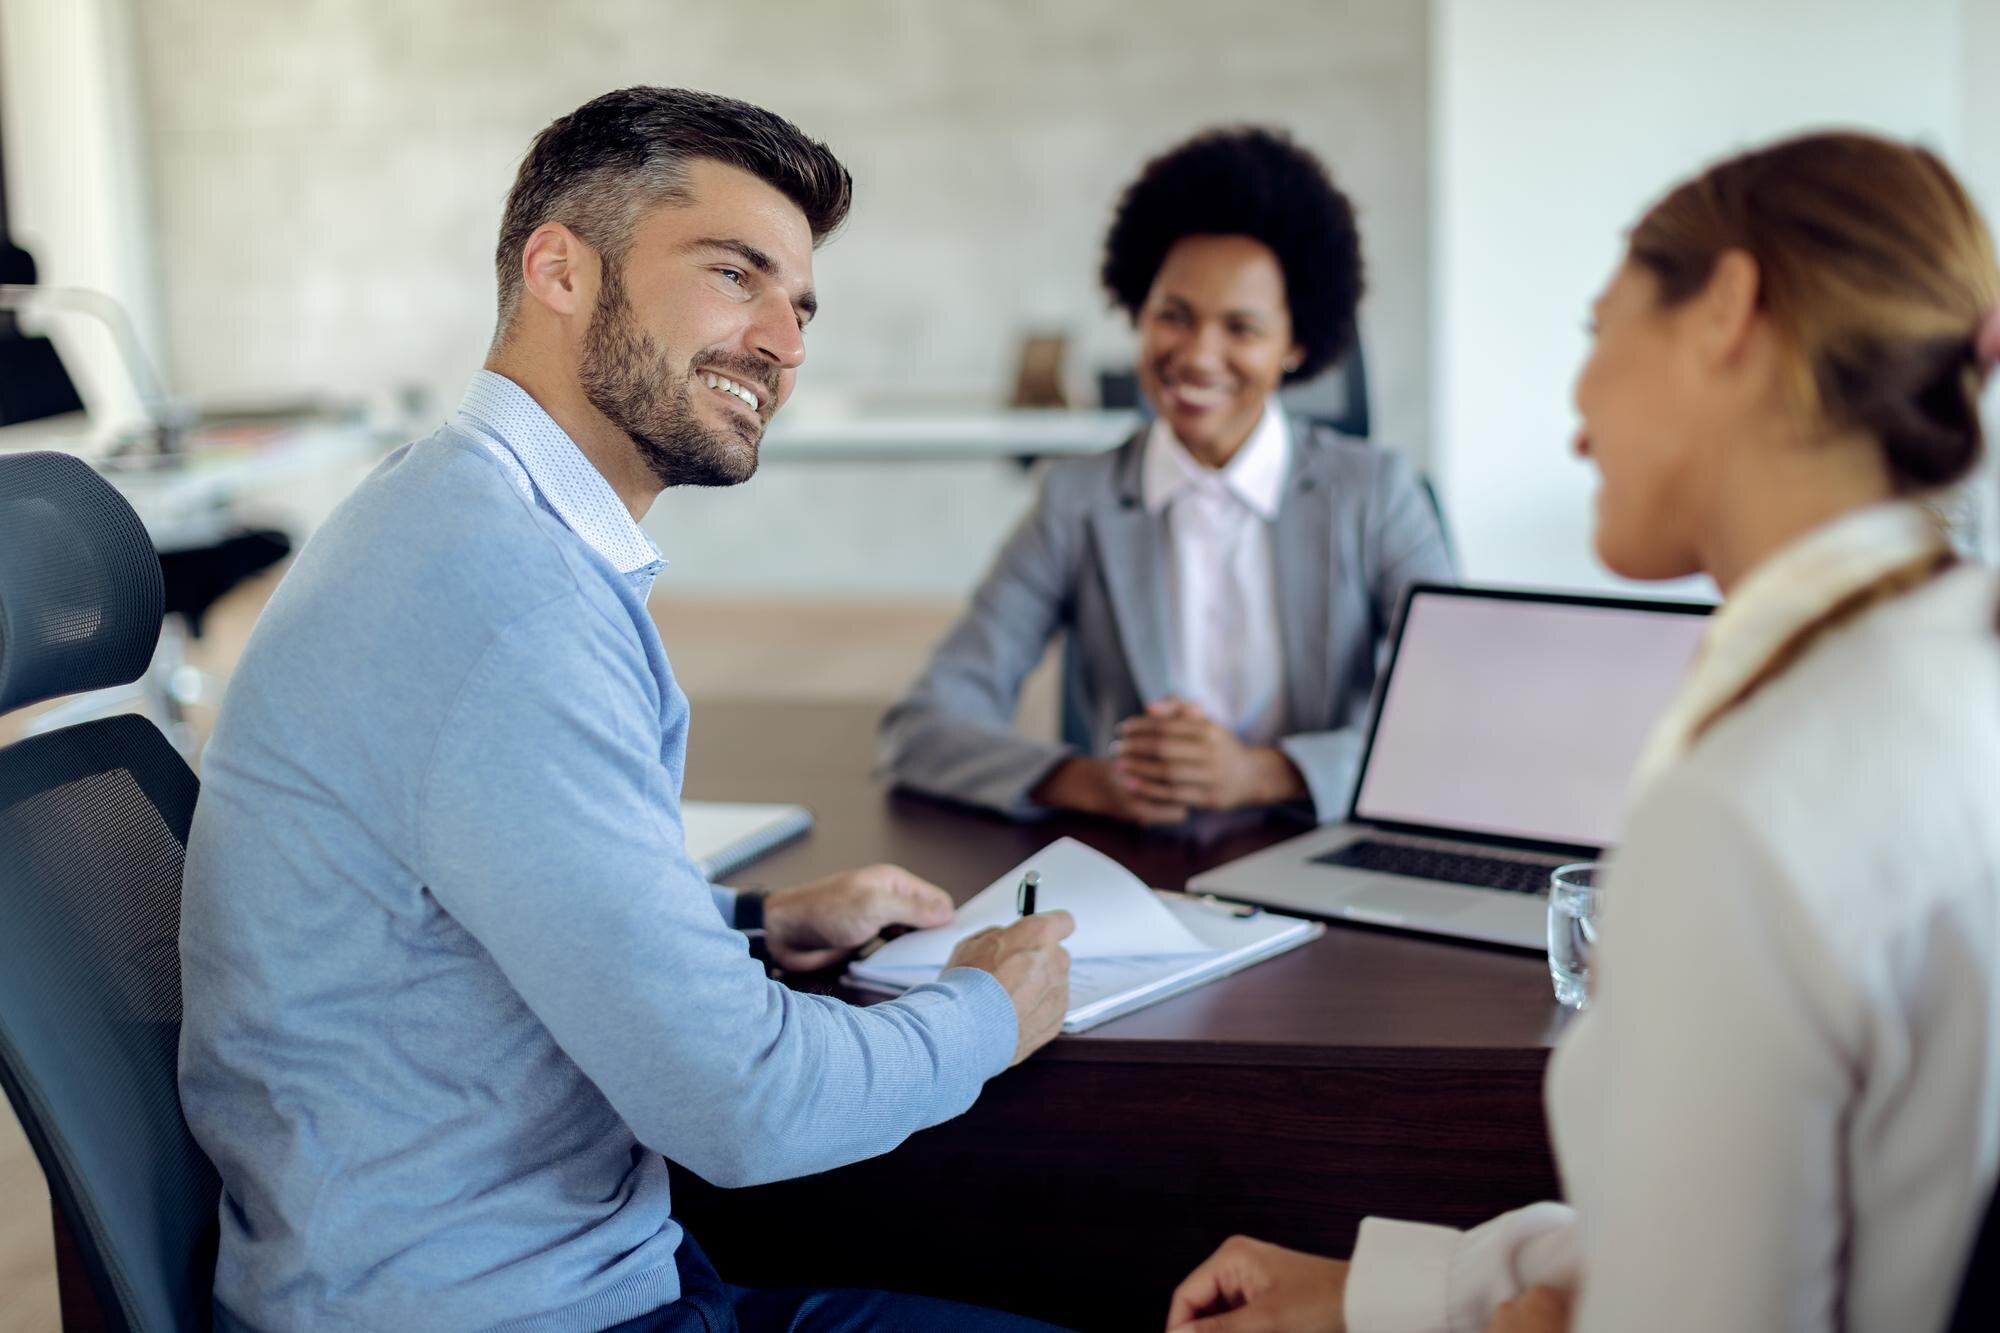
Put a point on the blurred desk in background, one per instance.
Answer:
(1024, 434)
(284, 471)
(287, 477)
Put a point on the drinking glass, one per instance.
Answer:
(1575, 911)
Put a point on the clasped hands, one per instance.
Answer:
(1252, 1286)
(1167, 761)
(817, 925)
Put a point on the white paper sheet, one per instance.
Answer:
(1101, 989)
(1116, 915)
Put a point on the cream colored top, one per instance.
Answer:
(1782, 1109)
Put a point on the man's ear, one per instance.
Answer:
(559, 271)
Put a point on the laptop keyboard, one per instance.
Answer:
(1396, 858)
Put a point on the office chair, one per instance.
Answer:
(195, 580)
(93, 829)
(1338, 398)
(34, 383)
(1351, 417)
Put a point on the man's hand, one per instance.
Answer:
(1175, 754)
(1029, 960)
(1249, 1286)
(1537, 1310)
(1092, 786)
(817, 925)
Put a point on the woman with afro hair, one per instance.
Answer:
(1227, 576)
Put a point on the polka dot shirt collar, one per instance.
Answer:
(541, 458)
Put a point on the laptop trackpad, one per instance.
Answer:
(1413, 900)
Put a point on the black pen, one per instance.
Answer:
(1024, 897)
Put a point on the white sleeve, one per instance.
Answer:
(1409, 1277)
(1698, 1106)
(1696, 1109)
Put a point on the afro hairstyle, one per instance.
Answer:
(1255, 182)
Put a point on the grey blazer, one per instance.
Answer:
(1353, 530)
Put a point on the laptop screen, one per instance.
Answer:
(1521, 716)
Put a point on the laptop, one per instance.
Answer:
(1503, 739)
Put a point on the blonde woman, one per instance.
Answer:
(1782, 1109)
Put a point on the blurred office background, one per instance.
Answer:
(296, 201)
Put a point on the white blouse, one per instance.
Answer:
(1782, 1109)
(1228, 656)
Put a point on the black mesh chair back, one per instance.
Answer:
(80, 588)
(1340, 398)
(93, 830)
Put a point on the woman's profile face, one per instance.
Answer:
(1640, 424)
(1215, 339)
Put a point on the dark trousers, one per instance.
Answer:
(710, 1305)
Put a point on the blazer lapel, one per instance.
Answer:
(1303, 553)
(1134, 548)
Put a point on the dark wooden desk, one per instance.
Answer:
(1365, 1073)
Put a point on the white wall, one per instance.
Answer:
(331, 174)
(1979, 162)
(327, 178)
(1556, 122)
(331, 177)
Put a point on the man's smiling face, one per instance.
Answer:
(696, 338)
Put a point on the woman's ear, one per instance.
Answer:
(1724, 312)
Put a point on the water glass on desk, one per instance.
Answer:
(1575, 911)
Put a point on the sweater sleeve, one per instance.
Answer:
(1697, 1109)
(548, 827)
(1411, 1277)
(1699, 1103)
(1406, 542)
(953, 733)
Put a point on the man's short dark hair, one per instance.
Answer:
(598, 168)
(1246, 182)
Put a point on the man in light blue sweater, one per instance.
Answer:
(452, 986)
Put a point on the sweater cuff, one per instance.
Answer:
(1328, 761)
(1412, 1278)
(990, 1013)
(1399, 1281)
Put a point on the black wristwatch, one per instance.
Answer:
(749, 910)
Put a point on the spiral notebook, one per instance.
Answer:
(1132, 946)
(722, 837)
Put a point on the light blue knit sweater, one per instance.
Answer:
(452, 985)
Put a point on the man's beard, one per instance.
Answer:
(627, 377)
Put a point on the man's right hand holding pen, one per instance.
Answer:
(1028, 959)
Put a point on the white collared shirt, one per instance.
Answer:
(546, 467)
(1782, 1109)
(1222, 576)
